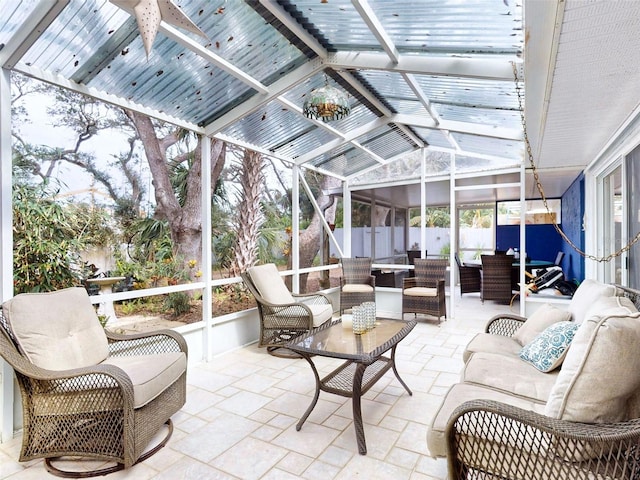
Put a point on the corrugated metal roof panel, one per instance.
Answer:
(489, 146)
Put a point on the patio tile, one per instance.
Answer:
(249, 459)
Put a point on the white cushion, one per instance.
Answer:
(357, 288)
(269, 283)
(584, 297)
(321, 313)
(611, 306)
(420, 292)
(150, 374)
(600, 371)
(542, 318)
(489, 342)
(57, 330)
(547, 350)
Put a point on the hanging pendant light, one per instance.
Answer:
(326, 103)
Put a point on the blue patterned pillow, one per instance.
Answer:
(547, 350)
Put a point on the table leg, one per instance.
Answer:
(395, 370)
(315, 397)
(357, 408)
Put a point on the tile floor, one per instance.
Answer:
(239, 419)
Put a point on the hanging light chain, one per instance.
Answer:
(536, 178)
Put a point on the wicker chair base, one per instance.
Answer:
(58, 472)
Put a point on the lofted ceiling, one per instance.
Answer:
(434, 74)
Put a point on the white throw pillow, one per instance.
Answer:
(539, 320)
(587, 293)
(600, 371)
(547, 350)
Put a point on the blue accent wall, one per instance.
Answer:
(544, 243)
(572, 215)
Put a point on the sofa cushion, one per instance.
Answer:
(489, 342)
(611, 306)
(600, 372)
(509, 374)
(269, 283)
(545, 316)
(57, 330)
(460, 393)
(587, 293)
(150, 374)
(548, 349)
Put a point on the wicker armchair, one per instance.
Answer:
(496, 278)
(88, 393)
(424, 293)
(357, 285)
(283, 315)
(411, 257)
(469, 277)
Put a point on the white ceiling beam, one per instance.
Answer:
(375, 167)
(293, 25)
(276, 89)
(370, 18)
(64, 82)
(211, 57)
(485, 68)
(459, 127)
(253, 147)
(31, 29)
(420, 95)
(344, 139)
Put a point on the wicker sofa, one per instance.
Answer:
(550, 415)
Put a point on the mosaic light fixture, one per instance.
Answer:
(326, 103)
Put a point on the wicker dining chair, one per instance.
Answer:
(496, 278)
(411, 257)
(357, 284)
(469, 277)
(88, 393)
(424, 293)
(283, 315)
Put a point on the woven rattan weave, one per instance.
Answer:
(496, 278)
(89, 412)
(364, 366)
(429, 274)
(356, 271)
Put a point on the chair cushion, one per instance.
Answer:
(542, 318)
(356, 288)
(150, 374)
(270, 284)
(587, 293)
(57, 330)
(611, 306)
(548, 349)
(600, 371)
(321, 313)
(420, 292)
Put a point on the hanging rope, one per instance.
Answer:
(536, 178)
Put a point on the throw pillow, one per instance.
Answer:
(547, 350)
(587, 293)
(600, 372)
(542, 318)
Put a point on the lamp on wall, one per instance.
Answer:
(326, 103)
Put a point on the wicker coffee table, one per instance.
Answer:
(364, 366)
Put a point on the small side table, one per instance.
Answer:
(106, 286)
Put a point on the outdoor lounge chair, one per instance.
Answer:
(283, 315)
(424, 293)
(357, 284)
(86, 392)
